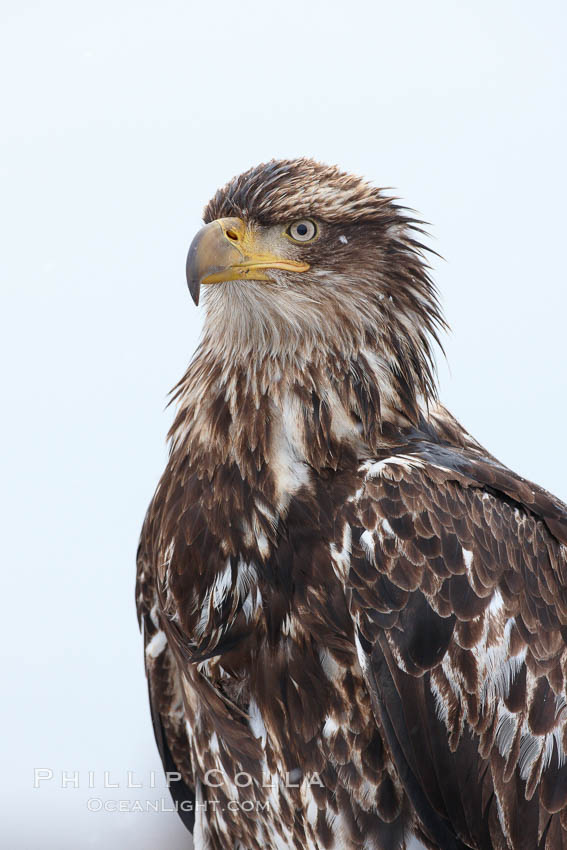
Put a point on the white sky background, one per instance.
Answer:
(119, 121)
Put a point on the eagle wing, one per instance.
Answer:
(456, 575)
(164, 684)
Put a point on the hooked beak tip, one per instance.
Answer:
(194, 285)
(193, 274)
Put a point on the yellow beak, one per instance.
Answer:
(226, 249)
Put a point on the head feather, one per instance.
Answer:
(281, 189)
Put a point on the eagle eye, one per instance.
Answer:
(302, 230)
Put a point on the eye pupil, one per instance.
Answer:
(304, 230)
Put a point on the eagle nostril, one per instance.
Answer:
(232, 234)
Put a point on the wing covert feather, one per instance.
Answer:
(458, 595)
(165, 692)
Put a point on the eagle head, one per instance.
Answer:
(296, 255)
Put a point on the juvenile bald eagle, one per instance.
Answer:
(354, 616)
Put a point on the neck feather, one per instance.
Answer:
(237, 402)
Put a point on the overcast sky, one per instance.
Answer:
(120, 119)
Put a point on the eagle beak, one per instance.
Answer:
(226, 249)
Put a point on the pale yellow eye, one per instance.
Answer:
(303, 230)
